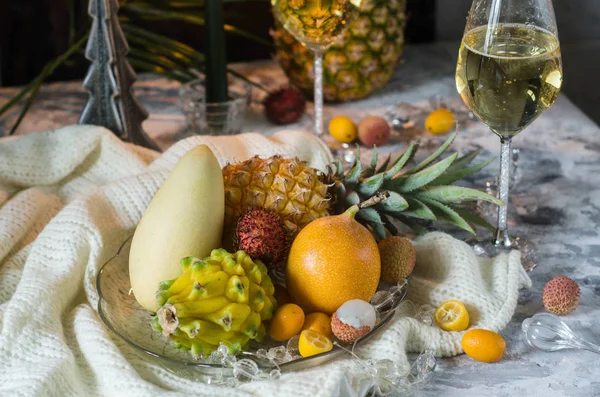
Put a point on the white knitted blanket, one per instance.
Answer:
(68, 199)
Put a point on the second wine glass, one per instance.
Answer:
(509, 72)
(316, 24)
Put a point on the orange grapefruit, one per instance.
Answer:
(332, 260)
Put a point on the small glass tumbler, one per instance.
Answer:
(220, 118)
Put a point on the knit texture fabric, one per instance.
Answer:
(68, 200)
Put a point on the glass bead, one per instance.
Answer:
(292, 345)
(223, 350)
(228, 360)
(246, 370)
(275, 374)
(425, 314)
(424, 364)
(261, 354)
(386, 368)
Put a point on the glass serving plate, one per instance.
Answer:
(122, 314)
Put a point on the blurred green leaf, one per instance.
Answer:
(163, 62)
(445, 213)
(153, 68)
(456, 194)
(151, 13)
(35, 85)
(434, 155)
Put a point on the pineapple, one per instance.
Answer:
(361, 60)
(300, 194)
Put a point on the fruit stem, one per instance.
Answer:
(374, 200)
(352, 211)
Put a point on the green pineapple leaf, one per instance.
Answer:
(402, 160)
(414, 224)
(352, 177)
(385, 164)
(445, 213)
(389, 225)
(449, 177)
(352, 199)
(380, 230)
(370, 215)
(374, 158)
(370, 186)
(455, 194)
(434, 155)
(404, 184)
(418, 209)
(394, 203)
(367, 172)
(339, 167)
(370, 170)
(463, 161)
(472, 219)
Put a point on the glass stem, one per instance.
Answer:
(319, 93)
(501, 234)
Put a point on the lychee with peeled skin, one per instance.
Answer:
(262, 235)
(398, 258)
(353, 320)
(561, 295)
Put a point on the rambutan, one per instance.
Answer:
(561, 295)
(285, 106)
(262, 235)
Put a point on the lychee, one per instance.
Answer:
(262, 235)
(398, 257)
(561, 295)
(353, 320)
(373, 130)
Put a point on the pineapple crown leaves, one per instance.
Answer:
(417, 195)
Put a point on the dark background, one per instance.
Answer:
(34, 31)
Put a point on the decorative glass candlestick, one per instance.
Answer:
(219, 118)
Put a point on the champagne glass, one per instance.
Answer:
(316, 24)
(509, 72)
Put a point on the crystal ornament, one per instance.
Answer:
(275, 374)
(292, 346)
(425, 314)
(547, 332)
(246, 370)
(424, 364)
(279, 355)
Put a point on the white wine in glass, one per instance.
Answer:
(509, 72)
(316, 24)
(511, 81)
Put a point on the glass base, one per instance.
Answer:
(501, 243)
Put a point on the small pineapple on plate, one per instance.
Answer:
(301, 194)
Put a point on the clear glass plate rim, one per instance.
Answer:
(288, 366)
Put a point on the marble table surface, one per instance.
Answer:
(555, 202)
